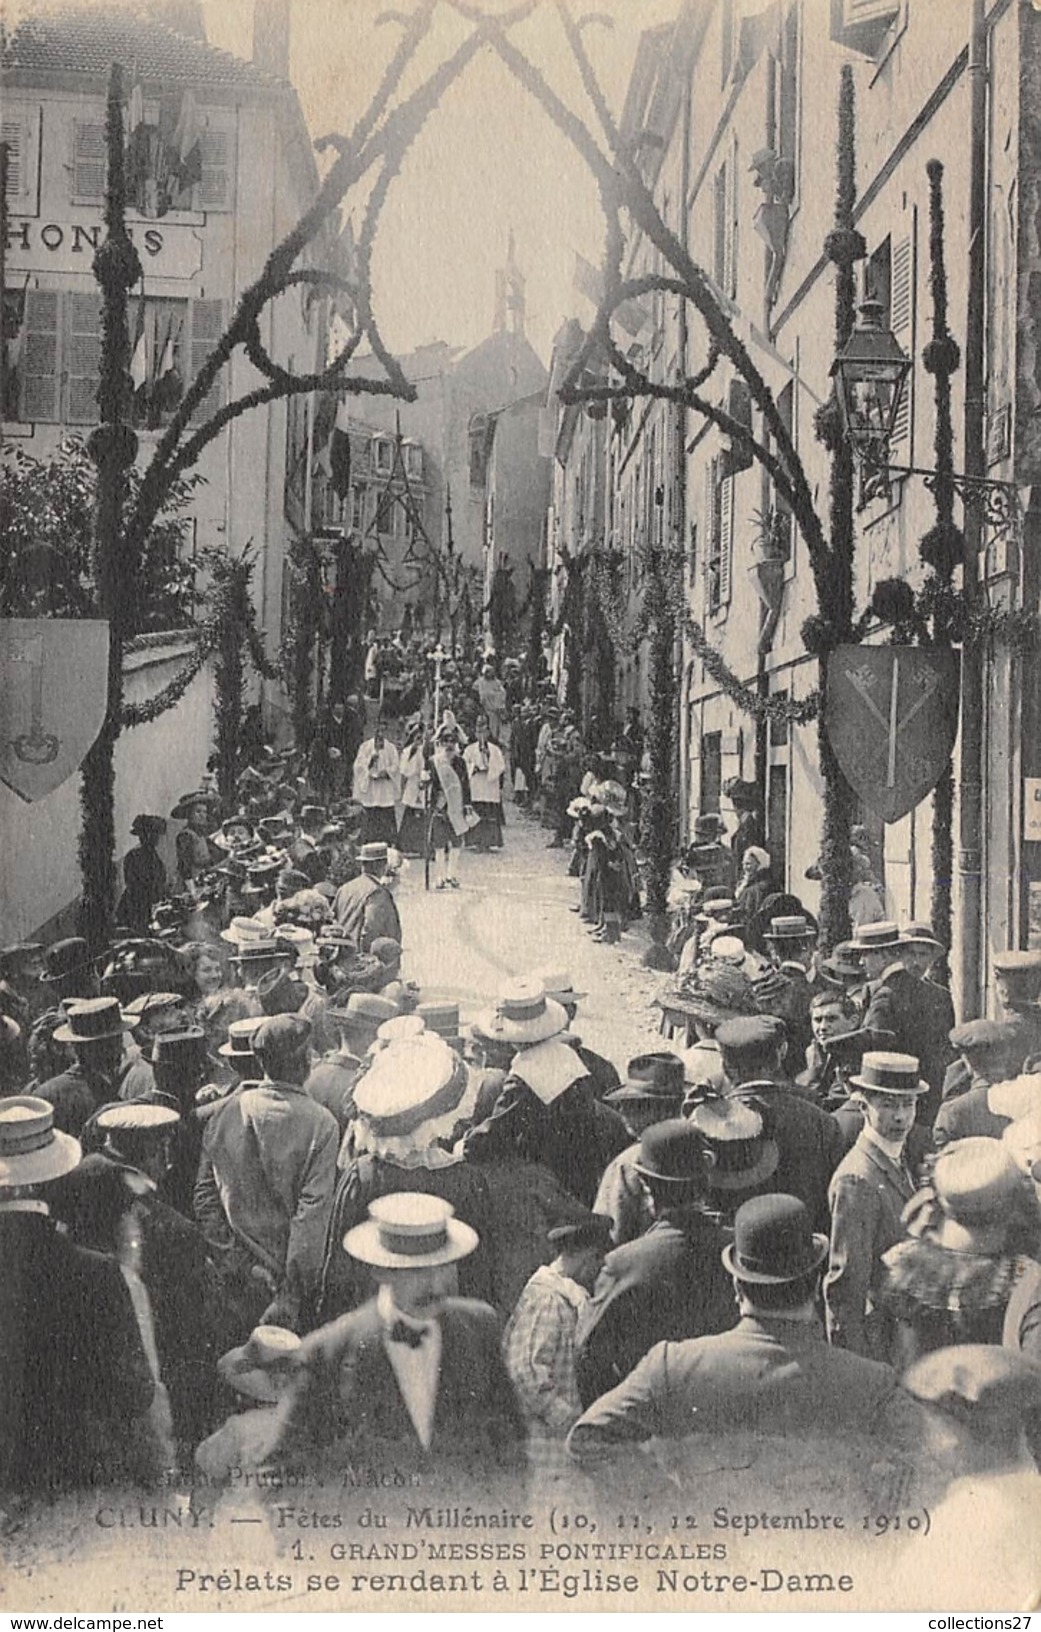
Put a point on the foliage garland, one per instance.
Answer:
(300, 645)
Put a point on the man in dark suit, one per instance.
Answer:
(74, 1378)
(773, 1373)
(919, 1013)
(667, 1284)
(414, 1378)
(809, 1140)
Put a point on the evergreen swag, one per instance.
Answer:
(300, 644)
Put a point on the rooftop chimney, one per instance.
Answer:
(271, 37)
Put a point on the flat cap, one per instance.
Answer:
(137, 1116)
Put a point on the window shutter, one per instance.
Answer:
(82, 357)
(214, 191)
(12, 133)
(39, 356)
(726, 538)
(862, 25)
(89, 163)
(721, 194)
(730, 239)
(207, 321)
(902, 323)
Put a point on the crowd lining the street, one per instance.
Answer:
(264, 1203)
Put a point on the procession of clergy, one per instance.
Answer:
(264, 1204)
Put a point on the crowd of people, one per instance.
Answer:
(266, 1203)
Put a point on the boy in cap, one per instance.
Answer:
(414, 1378)
(539, 1342)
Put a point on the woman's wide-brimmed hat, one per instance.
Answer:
(889, 1074)
(414, 1095)
(774, 1243)
(716, 993)
(262, 1367)
(407, 1230)
(92, 1019)
(977, 1184)
(227, 835)
(188, 802)
(65, 958)
(523, 1015)
(32, 1150)
(738, 1156)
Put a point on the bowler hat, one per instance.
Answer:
(709, 826)
(92, 1019)
(773, 1242)
(65, 958)
(737, 1154)
(407, 1230)
(651, 1078)
(889, 1074)
(672, 1153)
(32, 1150)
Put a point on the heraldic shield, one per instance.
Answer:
(892, 717)
(53, 696)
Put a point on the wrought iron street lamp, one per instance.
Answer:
(870, 374)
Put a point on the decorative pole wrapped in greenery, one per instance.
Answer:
(230, 631)
(301, 650)
(113, 447)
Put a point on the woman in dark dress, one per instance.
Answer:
(144, 876)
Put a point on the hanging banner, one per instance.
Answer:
(891, 718)
(53, 696)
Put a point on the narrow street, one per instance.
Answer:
(511, 916)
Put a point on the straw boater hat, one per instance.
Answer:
(773, 1243)
(790, 929)
(442, 1019)
(32, 1151)
(889, 1074)
(91, 1019)
(523, 1015)
(364, 1011)
(407, 1230)
(876, 937)
(919, 933)
(245, 932)
(413, 1095)
(239, 1045)
(557, 984)
(261, 1367)
(374, 854)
